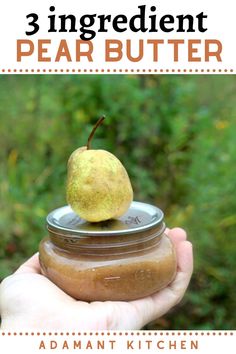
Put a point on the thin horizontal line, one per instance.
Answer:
(79, 71)
(124, 333)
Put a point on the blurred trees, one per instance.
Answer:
(174, 134)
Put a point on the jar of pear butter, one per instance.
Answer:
(123, 259)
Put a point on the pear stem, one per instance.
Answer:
(99, 122)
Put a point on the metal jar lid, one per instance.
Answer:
(140, 217)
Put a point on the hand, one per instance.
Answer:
(28, 300)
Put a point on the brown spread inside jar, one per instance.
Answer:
(122, 259)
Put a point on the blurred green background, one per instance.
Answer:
(176, 135)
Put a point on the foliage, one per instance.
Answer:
(176, 137)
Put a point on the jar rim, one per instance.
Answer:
(139, 218)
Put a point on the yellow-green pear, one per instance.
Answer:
(98, 186)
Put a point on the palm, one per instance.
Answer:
(30, 300)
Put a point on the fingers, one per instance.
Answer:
(184, 253)
(173, 294)
(158, 304)
(183, 248)
(184, 272)
(176, 235)
(30, 266)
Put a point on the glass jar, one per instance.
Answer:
(123, 259)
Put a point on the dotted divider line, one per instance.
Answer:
(117, 71)
(141, 333)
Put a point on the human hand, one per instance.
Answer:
(29, 300)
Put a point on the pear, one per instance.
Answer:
(98, 186)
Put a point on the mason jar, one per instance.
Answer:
(123, 259)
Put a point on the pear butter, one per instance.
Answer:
(123, 259)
